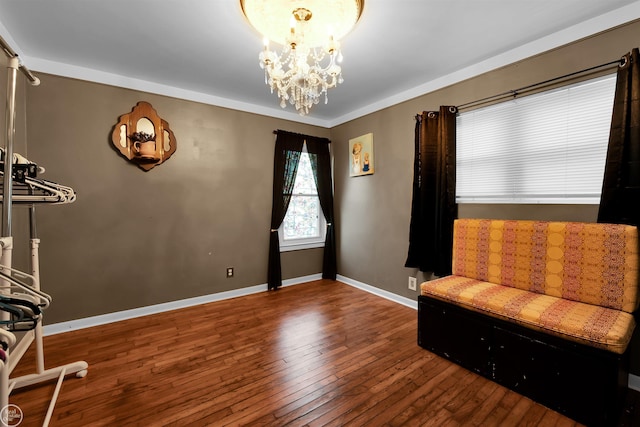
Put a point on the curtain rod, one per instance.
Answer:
(11, 54)
(515, 92)
(275, 132)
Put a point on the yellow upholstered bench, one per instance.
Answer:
(557, 291)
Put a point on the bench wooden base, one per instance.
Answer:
(581, 382)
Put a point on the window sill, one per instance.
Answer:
(300, 246)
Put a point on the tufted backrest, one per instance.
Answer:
(587, 262)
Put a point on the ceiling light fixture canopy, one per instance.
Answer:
(309, 31)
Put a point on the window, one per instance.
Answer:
(544, 148)
(304, 225)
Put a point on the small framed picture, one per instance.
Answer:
(361, 155)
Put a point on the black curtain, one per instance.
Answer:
(285, 167)
(318, 149)
(287, 156)
(433, 207)
(620, 198)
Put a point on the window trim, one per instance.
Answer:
(304, 242)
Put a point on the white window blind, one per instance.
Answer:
(544, 148)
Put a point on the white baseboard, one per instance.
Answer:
(634, 382)
(380, 292)
(87, 322)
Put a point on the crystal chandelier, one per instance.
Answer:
(309, 31)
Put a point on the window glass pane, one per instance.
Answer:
(305, 184)
(544, 148)
(302, 219)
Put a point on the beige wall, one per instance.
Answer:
(136, 238)
(373, 212)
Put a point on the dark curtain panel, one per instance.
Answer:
(433, 207)
(318, 149)
(285, 167)
(621, 186)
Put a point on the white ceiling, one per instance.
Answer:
(204, 50)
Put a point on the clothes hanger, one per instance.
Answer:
(68, 192)
(19, 159)
(43, 300)
(25, 314)
(35, 190)
(27, 306)
(16, 313)
(56, 193)
(21, 320)
(25, 171)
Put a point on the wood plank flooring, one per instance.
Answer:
(317, 354)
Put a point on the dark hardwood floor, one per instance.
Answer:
(318, 354)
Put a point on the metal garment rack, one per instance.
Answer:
(37, 191)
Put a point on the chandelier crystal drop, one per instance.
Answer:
(309, 30)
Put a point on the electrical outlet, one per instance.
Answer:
(229, 272)
(412, 283)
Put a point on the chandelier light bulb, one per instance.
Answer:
(308, 30)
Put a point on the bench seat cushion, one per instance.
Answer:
(588, 324)
(585, 262)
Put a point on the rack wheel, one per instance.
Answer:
(81, 374)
